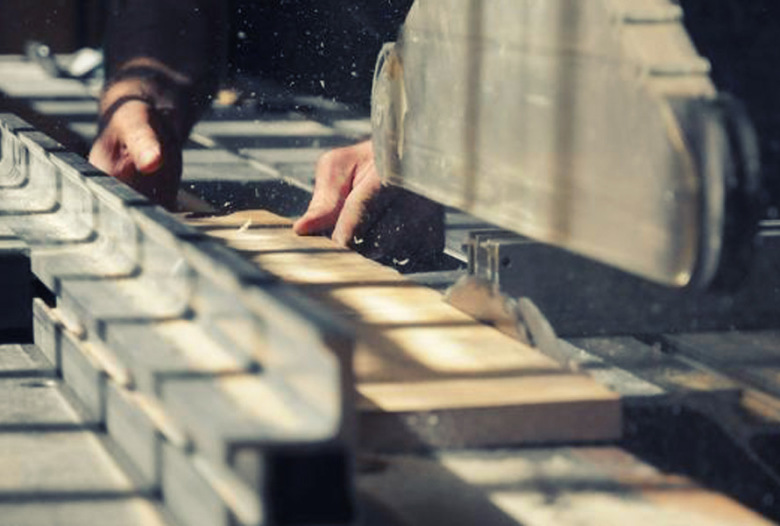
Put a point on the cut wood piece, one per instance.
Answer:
(475, 393)
(190, 499)
(57, 463)
(21, 360)
(84, 375)
(481, 412)
(33, 402)
(421, 361)
(139, 427)
(84, 509)
(56, 469)
(257, 218)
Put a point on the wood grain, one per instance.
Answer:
(417, 355)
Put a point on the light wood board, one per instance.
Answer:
(583, 486)
(427, 374)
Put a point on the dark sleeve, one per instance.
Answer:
(187, 36)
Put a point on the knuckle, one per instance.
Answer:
(327, 160)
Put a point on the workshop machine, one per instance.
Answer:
(597, 127)
(623, 189)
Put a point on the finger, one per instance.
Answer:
(113, 162)
(124, 170)
(100, 157)
(133, 124)
(355, 206)
(333, 182)
(316, 220)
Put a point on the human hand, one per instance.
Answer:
(345, 181)
(374, 219)
(138, 147)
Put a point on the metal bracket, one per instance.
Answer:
(519, 318)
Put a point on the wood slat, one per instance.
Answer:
(418, 355)
(588, 486)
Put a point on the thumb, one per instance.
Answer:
(334, 174)
(318, 218)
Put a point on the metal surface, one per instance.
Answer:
(58, 467)
(583, 297)
(593, 126)
(518, 318)
(153, 320)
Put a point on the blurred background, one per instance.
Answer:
(65, 25)
(325, 47)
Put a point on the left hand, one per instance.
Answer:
(138, 144)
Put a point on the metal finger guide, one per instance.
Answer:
(222, 388)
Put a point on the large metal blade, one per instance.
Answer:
(592, 125)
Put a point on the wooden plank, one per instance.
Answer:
(84, 374)
(418, 355)
(564, 486)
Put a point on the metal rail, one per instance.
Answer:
(601, 300)
(223, 387)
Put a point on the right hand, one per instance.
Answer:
(345, 182)
(395, 227)
(135, 147)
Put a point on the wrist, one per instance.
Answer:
(111, 105)
(161, 104)
(173, 98)
(146, 89)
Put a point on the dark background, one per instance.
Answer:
(741, 38)
(329, 47)
(305, 44)
(323, 47)
(65, 25)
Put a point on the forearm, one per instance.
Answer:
(167, 52)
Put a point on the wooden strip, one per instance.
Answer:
(476, 393)
(563, 486)
(417, 354)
